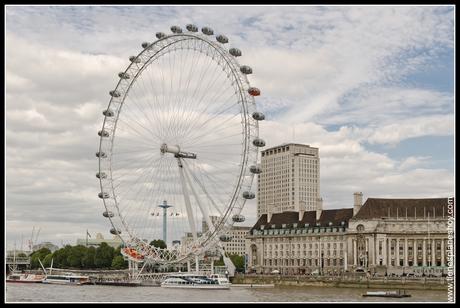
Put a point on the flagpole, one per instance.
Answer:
(86, 237)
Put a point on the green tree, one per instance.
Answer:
(119, 262)
(104, 255)
(75, 258)
(61, 256)
(88, 259)
(38, 254)
(158, 243)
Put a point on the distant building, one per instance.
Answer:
(237, 244)
(289, 180)
(48, 245)
(115, 242)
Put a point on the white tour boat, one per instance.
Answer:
(66, 279)
(193, 281)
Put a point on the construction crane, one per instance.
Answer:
(33, 240)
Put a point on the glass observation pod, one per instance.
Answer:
(160, 35)
(108, 113)
(103, 195)
(108, 214)
(134, 59)
(258, 142)
(115, 231)
(103, 133)
(246, 70)
(254, 91)
(259, 116)
(176, 29)
(123, 75)
(222, 39)
(145, 44)
(115, 93)
(207, 31)
(101, 175)
(249, 195)
(256, 169)
(101, 154)
(238, 218)
(225, 238)
(235, 52)
(191, 28)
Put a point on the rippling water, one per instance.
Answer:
(17, 292)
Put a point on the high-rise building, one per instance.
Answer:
(289, 180)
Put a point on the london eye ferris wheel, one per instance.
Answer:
(179, 143)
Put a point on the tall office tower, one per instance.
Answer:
(289, 180)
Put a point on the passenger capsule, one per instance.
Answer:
(145, 44)
(246, 70)
(225, 238)
(259, 116)
(254, 91)
(101, 154)
(258, 142)
(103, 133)
(115, 93)
(103, 195)
(101, 175)
(123, 75)
(115, 231)
(108, 214)
(222, 39)
(160, 35)
(191, 28)
(176, 29)
(255, 169)
(238, 218)
(134, 59)
(108, 113)
(207, 31)
(235, 52)
(249, 195)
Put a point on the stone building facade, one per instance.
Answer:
(381, 237)
(299, 242)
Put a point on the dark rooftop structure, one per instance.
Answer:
(328, 218)
(402, 208)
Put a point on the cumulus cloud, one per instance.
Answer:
(321, 67)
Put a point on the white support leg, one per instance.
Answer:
(191, 219)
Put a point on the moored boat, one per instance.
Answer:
(394, 294)
(192, 281)
(67, 279)
(25, 278)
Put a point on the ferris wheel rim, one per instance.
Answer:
(248, 146)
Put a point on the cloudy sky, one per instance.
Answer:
(372, 87)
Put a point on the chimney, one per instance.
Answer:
(358, 196)
(269, 215)
(302, 207)
(319, 208)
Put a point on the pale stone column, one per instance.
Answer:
(433, 252)
(442, 253)
(384, 251)
(397, 252)
(406, 256)
(424, 252)
(367, 252)
(355, 254)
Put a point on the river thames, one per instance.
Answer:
(17, 292)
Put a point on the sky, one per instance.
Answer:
(371, 86)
